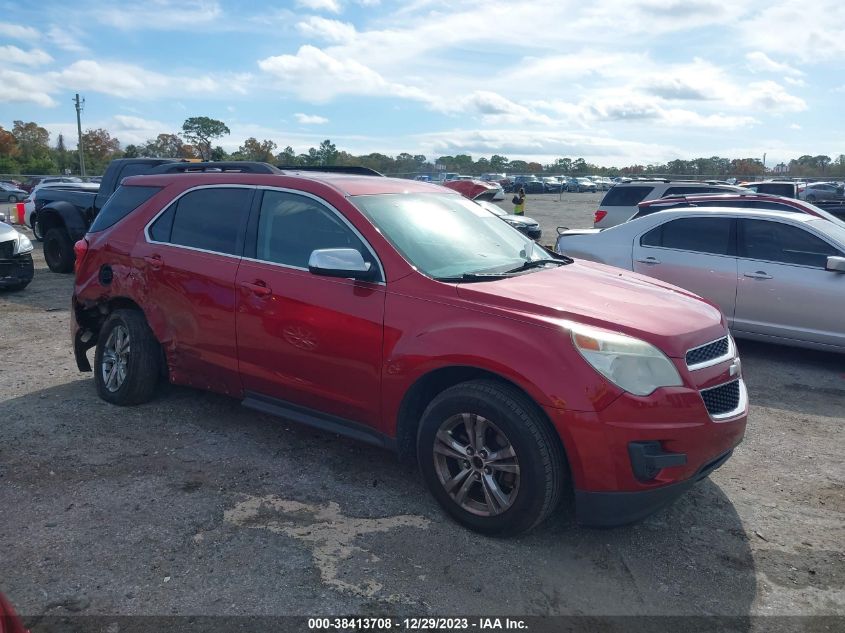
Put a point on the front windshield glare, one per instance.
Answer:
(446, 235)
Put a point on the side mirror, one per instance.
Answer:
(340, 262)
(835, 264)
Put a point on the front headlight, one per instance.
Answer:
(634, 365)
(23, 245)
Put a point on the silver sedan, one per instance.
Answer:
(778, 277)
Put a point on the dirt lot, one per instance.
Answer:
(194, 505)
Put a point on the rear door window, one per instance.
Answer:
(782, 243)
(700, 235)
(210, 219)
(625, 196)
(120, 204)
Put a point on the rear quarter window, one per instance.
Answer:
(120, 204)
(625, 196)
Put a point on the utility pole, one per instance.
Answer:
(80, 105)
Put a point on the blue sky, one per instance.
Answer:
(613, 81)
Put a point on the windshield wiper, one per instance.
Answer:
(537, 263)
(474, 277)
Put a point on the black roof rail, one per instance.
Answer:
(354, 170)
(241, 166)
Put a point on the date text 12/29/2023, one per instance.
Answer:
(416, 624)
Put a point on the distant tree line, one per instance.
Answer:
(26, 149)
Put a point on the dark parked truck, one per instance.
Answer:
(64, 216)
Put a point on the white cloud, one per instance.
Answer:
(794, 126)
(760, 62)
(131, 81)
(18, 32)
(67, 38)
(33, 57)
(810, 32)
(333, 31)
(771, 96)
(310, 119)
(25, 88)
(317, 77)
(332, 6)
(160, 14)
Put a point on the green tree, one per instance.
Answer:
(327, 153)
(164, 146)
(499, 163)
(287, 156)
(33, 141)
(63, 161)
(132, 151)
(218, 153)
(100, 147)
(253, 149)
(201, 130)
(8, 144)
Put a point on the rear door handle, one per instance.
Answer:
(258, 288)
(154, 261)
(649, 260)
(758, 275)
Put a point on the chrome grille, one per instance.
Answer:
(706, 353)
(722, 399)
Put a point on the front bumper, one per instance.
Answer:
(17, 271)
(612, 509)
(639, 453)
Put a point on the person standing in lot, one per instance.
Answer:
(519, 202)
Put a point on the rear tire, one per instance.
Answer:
(126, 362)
(503, 479)
(13, 198)
(58, 251)
(810, 198)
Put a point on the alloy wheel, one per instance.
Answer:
(476, 464)
(115, 358)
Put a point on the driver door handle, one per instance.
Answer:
(258, 288)
(649, 260)
(758, 275)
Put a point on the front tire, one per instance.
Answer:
(13, 198)
(58, 250)
(489, 458)
(36, 229)
(126, 362)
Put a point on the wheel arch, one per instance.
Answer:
(91, 319)
(433, 382)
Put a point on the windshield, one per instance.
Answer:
(447, 236)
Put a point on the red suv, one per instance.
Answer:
(402, 314)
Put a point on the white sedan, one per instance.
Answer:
(778, 277)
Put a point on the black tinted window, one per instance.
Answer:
(209, 219)
(692, 190)
(625, 196)
(120, 204)
(702, 235)
(291, 227)
(777, 242)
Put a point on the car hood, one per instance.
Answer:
(666, 316)
(518, 219)
(473, 189)
(7, 232)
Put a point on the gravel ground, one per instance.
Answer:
(192, 504)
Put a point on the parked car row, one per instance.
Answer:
(762, 259)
